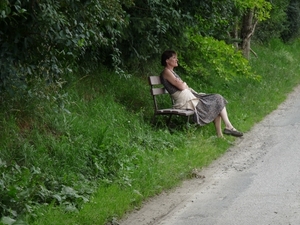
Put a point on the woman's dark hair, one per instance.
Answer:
(166, 55)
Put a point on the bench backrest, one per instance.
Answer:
(155, 90)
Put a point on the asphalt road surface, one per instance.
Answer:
(257, 182)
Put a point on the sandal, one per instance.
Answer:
(233, 132)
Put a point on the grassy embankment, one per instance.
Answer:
(101, 140)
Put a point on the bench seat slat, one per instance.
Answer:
(175, 111)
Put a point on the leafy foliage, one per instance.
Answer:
(154, 26)
(211, 57)
(212, 18)
(261, 7)
(23, 189)
(293, 21)
(275, 25)
(50, 37)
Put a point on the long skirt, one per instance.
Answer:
(208, 108)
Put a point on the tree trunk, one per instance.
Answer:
(236, 33)
(247, 30)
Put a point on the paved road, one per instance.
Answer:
(256, 183)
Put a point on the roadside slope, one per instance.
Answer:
(245, 153)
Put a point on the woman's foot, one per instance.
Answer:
(233, 132)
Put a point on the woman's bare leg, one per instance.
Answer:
(225, 118)
(217, 123)
(218, 120)
(230, 130)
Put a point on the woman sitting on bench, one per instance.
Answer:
(208, 107)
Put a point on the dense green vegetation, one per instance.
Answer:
(97, 155)
(76, 141)
(48, 39)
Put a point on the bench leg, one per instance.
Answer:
(154, 119)
(169, 120)
(188, 122)
(188, 119)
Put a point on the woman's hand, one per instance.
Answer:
(185, 84)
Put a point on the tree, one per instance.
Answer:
(231, 20)
(252, 12)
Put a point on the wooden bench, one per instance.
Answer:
(158, 89)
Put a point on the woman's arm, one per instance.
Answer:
(169, 76)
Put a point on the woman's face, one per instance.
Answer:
(173, 61)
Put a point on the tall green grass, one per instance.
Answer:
(92, 155)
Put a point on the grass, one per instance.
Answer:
(91, 154)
